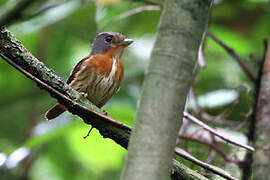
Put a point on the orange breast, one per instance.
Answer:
(103, 64)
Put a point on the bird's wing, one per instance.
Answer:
(75, 70)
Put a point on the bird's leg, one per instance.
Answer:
(88, 132)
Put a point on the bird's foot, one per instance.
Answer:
(88, 133)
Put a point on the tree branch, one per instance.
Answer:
(12, 51)
(238, 59)
(209, 167)
(211, 145)
(12, 11)
(153, 2)
(213, 131)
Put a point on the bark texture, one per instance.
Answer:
(262, 142)
(181, 172)
(165, 89)
(12, 51)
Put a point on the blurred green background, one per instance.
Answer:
(33, 148)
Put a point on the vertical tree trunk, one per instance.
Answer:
(165, 89)
(262, 143)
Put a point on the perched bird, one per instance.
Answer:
(97, 76)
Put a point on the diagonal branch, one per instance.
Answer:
(12, 51)
(217, 148)
(230, 51)
(209, 167)
(213, 131)
(136, 11)
(12, 11)
(153, 2)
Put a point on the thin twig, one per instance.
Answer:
(213, 131)
(213, 146)
(238, 59)
(12, 11)
(209, 167)
(136, 11)
(201, 60)
(153, 2)
(43, 8)
(132, 12)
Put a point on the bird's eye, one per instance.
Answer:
(108, 38)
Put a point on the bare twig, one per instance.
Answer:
(133, 12)
(213, 146)
(211, 156)
(12, 11)
(194, 99)
(43, 8)
(136, 11)
(239, 60)
(213, 131)
(153, 2)
(201, 60)
(209, 167)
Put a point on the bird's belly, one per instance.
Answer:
(100, 90)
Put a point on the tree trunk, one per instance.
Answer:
(262, 142)
(165, 89)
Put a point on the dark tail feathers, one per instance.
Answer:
(55, 111)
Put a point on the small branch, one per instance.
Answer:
(136, 11)
(43, 8)
(131, 13)
(209, 167)
(201, 60)
(211, 145)
(238, 59)
(153, 2)
(213, 131)
(12, 11)
(13, 52)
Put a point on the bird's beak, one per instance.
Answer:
(126, 42)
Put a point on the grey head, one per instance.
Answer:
(105, 40)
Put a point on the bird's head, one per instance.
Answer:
(112, 43)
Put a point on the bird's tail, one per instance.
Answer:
(55, 111)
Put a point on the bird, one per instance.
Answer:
(97, 76)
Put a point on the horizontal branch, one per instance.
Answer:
(12, 51)
(214, 132)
